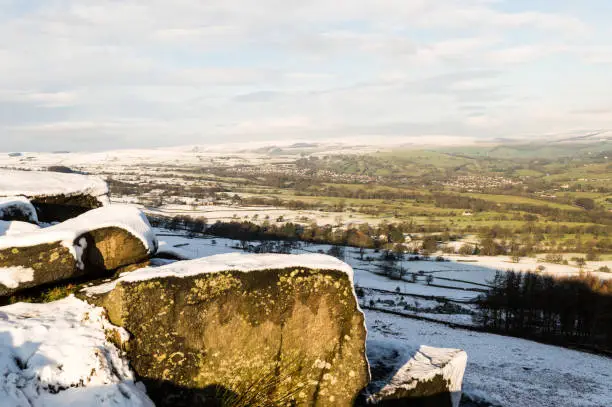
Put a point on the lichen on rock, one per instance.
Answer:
(94, 244)
(289, 336)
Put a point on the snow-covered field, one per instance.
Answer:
(260, 214)
(501, 370)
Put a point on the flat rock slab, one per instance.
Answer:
(55, 196)
(431, 378)
(242, 329)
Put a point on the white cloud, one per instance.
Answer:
(111, 71)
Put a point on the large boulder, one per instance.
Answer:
(431, 378)
(98, 241)
(240, 329)
(56, 196)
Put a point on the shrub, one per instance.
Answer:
(554, 258)
(592, 256)
(466, 250)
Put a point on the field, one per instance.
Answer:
(403, 314)
(547, 197)
(425, 232)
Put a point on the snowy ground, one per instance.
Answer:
(57, 354)
(260, 214)
(501, 370)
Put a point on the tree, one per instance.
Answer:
(586, 203)
(580, 262)
(488, 247)
(554, 258)
(592, 256)
(466, 249)
(429, 279)
(515, 252)
(430, 243)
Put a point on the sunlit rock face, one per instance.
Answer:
(243, 330)
(92, 244)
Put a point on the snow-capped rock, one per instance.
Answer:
(264, 328)
(56, 196)
(17, 208)
(99, 240)
(431, 378)
(59, 354)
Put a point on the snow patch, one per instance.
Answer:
(57, 354)
(164, 248)
(13, 276)
(12, 228)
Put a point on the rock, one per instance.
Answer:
(58, 208)
(98, 241)
(56, 196)
(17, 208)
(242, 329)
(62, 353)
(431, 378)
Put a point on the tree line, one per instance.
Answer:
(575, 311)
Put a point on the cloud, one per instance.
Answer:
(106, 73)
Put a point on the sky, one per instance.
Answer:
(102, 74)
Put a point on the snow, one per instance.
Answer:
(12, 276)
(529, 264)
(12, 228)
(427, 363)
(259, 214)
(45, 183)
(502, 370)
(20, 202)
(228, 262)
(198, 247)
(365, 278)
(57, 354)
(164, 248)
(122, 216)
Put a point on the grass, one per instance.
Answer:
(47, 295)
(519, 200)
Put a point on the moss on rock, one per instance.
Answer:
(49, 262)
(271, 337)
(105, 250)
